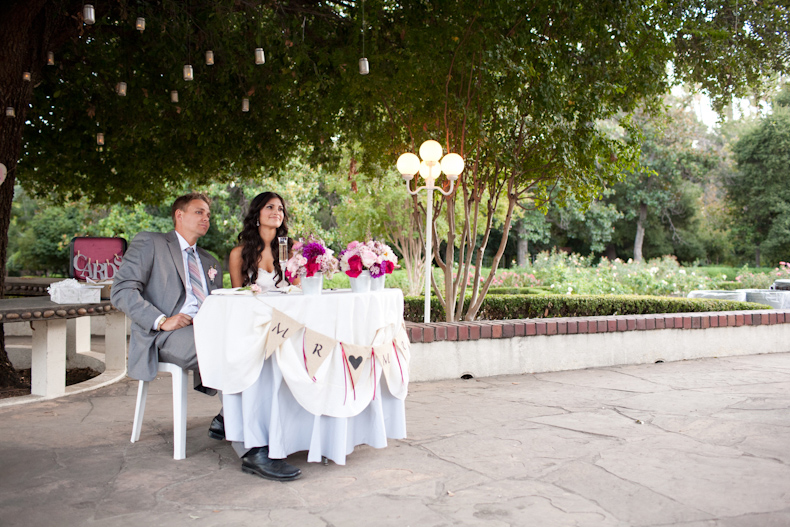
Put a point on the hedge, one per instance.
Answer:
(508, 307)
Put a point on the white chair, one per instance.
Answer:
(179, 409)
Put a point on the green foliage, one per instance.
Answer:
(759, 192)
(510, 307)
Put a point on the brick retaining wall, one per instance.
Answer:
(443, 350)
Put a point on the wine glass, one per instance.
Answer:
(283, 256)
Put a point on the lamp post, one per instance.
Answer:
(430, 168)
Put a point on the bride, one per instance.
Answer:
(253, 261)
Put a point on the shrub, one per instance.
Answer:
(508, 307)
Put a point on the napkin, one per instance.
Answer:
(234, 291)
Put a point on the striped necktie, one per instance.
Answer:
(194, 277)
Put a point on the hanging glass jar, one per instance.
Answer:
(260, 58)
(188, 73)
(26, 76)
(9, 112)
(121, 89)
(100, 139)
(174, 96)
(50, 58)
(364, 67)
(140, 24)
(245, 105)
(209, 58)
(88, 14)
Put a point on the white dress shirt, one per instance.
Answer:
(190, 306)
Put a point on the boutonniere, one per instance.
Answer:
(212, 272)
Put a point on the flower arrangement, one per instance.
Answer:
(309, 258)
(374, 256)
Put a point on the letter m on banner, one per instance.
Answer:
(281, 328)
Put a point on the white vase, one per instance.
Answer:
(313, 285)
(377, 284)
(360, 284)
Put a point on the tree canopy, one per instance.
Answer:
(759, 191)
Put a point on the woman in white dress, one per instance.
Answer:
(253, 261)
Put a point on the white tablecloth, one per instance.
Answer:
(274, 402)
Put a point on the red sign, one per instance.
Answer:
(96, 258)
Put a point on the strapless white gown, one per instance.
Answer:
(266, 280)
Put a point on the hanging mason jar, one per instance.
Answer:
(364, 67)
(121, 89)
(100, 139)
(88, 14)
(188, 74)
(140, 24)
(9, 112)
(26, 76)
(50, 58)
(209, 58)
(260, 58)
(245, 105)
(174, 96)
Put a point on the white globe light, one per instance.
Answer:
(408, 164)
(425, 170)
(431, 151)
(452, 165)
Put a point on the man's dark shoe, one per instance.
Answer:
(216, 430)
(257, 462)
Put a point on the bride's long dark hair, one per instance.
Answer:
(252, 244)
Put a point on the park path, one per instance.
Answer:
(695, 443)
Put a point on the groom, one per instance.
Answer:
(161, 284)
(162, 281)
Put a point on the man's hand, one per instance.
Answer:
(176, 322)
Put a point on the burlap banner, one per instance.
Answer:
(317, 348)
(281, 329)
(356, 359)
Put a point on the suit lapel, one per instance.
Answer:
(178, 259)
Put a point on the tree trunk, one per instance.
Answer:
(640, 232)
(26, 29)
(523, 244)
(611, 252)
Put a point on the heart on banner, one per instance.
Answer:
(281, 328)
(356, 359)
(317, 348)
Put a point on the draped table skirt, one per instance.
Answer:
(274, 401)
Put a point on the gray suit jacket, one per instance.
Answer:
(151, 282)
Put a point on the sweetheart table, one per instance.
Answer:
(335, 376)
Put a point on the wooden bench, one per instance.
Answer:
(49, 321)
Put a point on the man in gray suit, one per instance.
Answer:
(161, 284)
(162, 281)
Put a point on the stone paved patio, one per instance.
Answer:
(695, 443)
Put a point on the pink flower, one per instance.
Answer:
(255, 288)
(212, 273)
(368, 257)
(354, 266)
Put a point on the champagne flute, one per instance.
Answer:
(283, 257)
